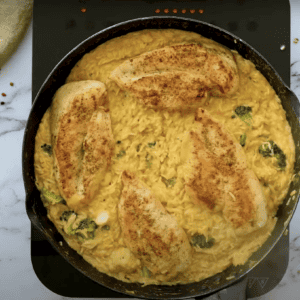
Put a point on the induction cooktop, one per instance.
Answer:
(60, 25)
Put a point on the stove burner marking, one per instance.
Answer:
(261, 281)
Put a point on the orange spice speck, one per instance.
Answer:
(192, 11)
(11, 84)
(183, 11)
(3, 94)
(83, 10)
(201, 11)
(157, 10)
(166, 11)
(175, 11)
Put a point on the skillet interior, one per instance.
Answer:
(38, 214)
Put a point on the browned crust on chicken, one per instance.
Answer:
(73, 127)
(98, 147)
(220, 178)
(179, 75)
(149, 231)
(81, 137)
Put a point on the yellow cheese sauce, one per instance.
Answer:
(148, 143)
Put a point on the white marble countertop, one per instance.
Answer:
(18, 280)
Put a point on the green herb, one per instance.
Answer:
(68, 219)
(266, 149)
(121, 154)
(79, 226)
(169, 182)
(80, 237)
(243, 138)
(149, 159)
(105, 227)
(199, 240)
(244, 113)
(86, 229)
(270, 149)
(265, 184)
(51, 197)
(66, 215)
(119, 142)
(151, 145)
(47, 149)
(70, 229)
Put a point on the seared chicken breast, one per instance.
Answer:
(216, 174)
(82, 139)
(152, 234)
(98, 147)
(179, 75)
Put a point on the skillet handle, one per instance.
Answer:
(32, 215)
(235, 292)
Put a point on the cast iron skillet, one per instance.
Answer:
(37, 212)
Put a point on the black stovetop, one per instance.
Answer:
(59, 25)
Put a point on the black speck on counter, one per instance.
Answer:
(2, 103)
